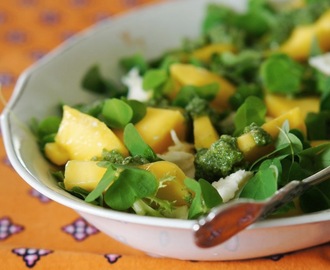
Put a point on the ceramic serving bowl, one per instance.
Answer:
(57, 77)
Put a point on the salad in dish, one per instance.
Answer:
(237, 112)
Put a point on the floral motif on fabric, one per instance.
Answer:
(80, 229)
(8, 228)
(112, 258)
(31, 255)
(42, 198)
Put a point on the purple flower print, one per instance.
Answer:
(8, 228)
(31, 255)
(112, 258)
(42, 198)
(80, 229)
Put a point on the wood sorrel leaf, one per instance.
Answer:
(287, 143)
(134, 61)
(136, 145)
(315, 158)
(281, 74)
(139, 110)
(318, 125)
(263, 184)
(116, 113)
(188, 92)
(253, 110)
(108, 177)
(196, 207)
(210, 195)
(93, 81)
(154, 78)
(316, 199)
(132, 184)
(49, 125)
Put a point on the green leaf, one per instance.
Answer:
(242, 93)
(315, 158)
(292, 171)
(94, 108)
(253, 110)
(49, 126)
(93, 81)
(325, 101)
(185, 95)
(136, 145)
(188, 92)
(263, 184)
(216, 15)
(280, 74)
(316, 199)
(154, 78)
(134, 61)
(241, 68)
(318, 125)
(257, 20)
(109, 177)
(132, 184)
(288, 143)
(196, 208)
(210, 195)
(139, 110)
(116, 113)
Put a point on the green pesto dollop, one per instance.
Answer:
(115, 157)
(221, 159)
(259, 135)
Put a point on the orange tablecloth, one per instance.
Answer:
(38, 233)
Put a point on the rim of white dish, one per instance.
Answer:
(79, 205)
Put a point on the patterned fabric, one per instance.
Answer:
(37, 233)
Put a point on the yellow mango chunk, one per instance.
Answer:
(252, 151)
(56, 154)
(205, 53)
(84, 174)
(84, 136)
(204, 132)
(278, 105)
(174, 189)
(186, 74)
(155, 128)
(298, 45)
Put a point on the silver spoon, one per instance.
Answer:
(229, 219)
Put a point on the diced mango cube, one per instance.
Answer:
(173, 188)
(84, 136)
(204, 132)
(84, 174)
(156, 126)
(187, 74)
(56, 154)
(299, 44)
(252, 151)
(295, 118)
(278, 105)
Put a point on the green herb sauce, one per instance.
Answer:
(260, 136)
(222, 158)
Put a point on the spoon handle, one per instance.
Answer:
(227, 220)
(292, 190)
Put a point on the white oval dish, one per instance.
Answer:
(57, 77)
